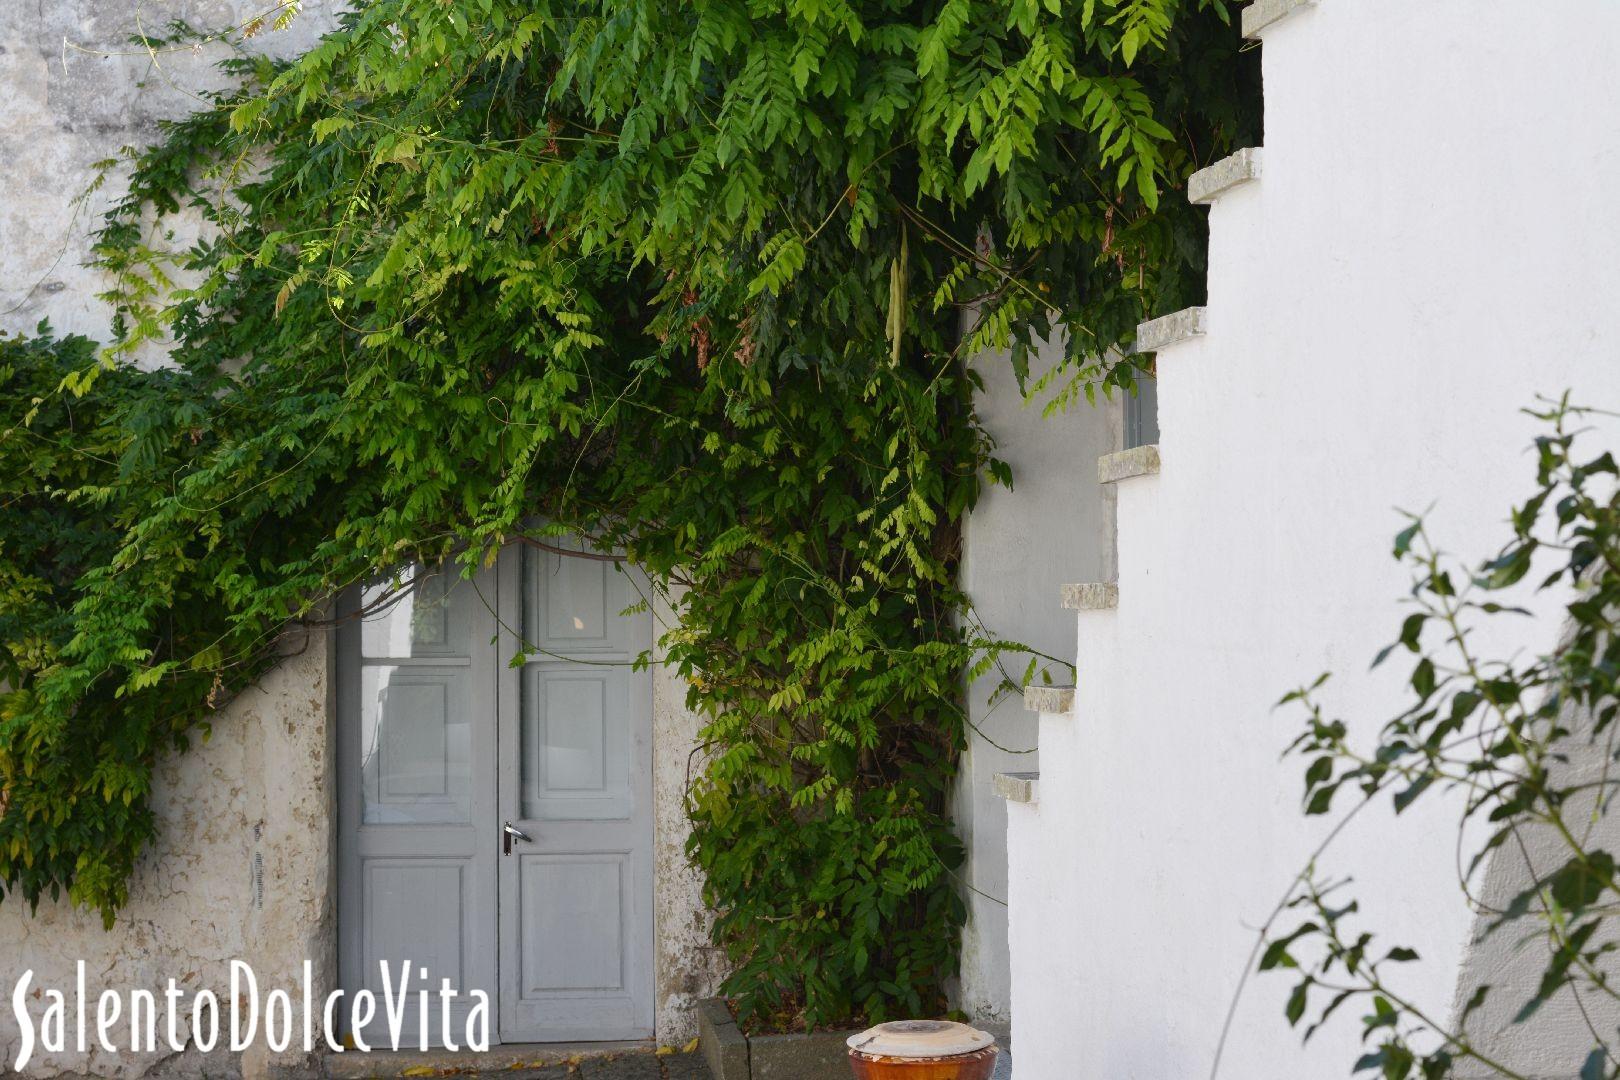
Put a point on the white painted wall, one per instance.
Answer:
(1019, 547)
(1434, 240)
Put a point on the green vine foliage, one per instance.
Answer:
(697, 280)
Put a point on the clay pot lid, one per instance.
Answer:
(920, 1039)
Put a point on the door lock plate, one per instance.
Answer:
(510, 831)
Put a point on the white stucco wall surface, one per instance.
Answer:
(241, 870)
(1019, 547)
(1432, 242)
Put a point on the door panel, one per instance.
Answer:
(420, 901)
(576, 753)
(578, 749)
(416, 745)
(573, 923)
(416, 804)
(569, 607)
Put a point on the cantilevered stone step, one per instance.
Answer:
(1262, 13)
(1017, 786)
(1091, 596)
(1049, 699)
(1207, 185)
(1164, 332)
(1124, 464)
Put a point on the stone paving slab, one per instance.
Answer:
(634, 1065)
(624, 1067)
(621, 1065)
(686, 1067)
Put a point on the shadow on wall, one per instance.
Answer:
(1556, 1039)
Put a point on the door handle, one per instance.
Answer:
(508, 831)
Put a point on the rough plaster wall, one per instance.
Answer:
(687, 968)
(74, 91)
(259, 788)
(1389, 294)
(1020, 547)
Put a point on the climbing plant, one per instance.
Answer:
(698, 280)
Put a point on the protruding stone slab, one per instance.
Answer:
(1017, 786)
(1262, 13)
(1124, 464)
(1049, 699)
(1207, 185)
(723, 1044)
(1091, 596)
(1164, 332)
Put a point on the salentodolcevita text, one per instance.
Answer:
(130, 1022)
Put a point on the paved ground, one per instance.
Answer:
(629, 1065)
(646, 1066)
(626, 1065)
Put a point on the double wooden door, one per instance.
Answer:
(495, 797)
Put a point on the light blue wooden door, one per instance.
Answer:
(575, 787)
(416, 793)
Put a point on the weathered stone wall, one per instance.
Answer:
(242, 869)
(242, 865)
(687, 967)
(74, 91)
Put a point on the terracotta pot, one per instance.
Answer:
(922, 1050)
(973, 1066)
